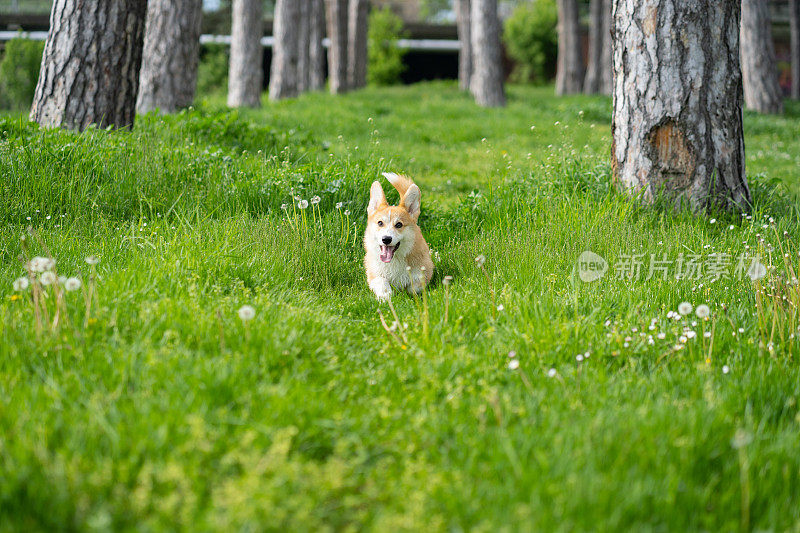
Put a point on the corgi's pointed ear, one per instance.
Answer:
(376, 197)
(411, 201)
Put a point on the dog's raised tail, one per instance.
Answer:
(399, 182)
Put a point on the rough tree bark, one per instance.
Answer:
(90, 66)
(486, 82)
(336, 16)
(316, 75)
(357, 44)
(465, 43)
(569, 70)
(168, 77)
(284, 72)
(598, 73)
(677, 120)
(762, 92)
(245, 74)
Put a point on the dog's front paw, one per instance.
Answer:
(381, 288)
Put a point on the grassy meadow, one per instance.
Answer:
(515, 398)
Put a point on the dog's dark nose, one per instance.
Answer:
(386, 239)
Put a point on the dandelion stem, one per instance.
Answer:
(400, 327)
(388, 329)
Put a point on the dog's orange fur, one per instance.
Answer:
(410, 267)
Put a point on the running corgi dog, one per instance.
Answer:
(397, 255)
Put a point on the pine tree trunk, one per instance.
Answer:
(90, 66)
(762, 92)
(357, 46)
(794, 30)
(336, 16)
(486, 82)
(316, 76)
(245, 73)
(569, 71)
(677, 120)
(607, 70)
(304, 47)
(465, 43)
(284, 73)
(168, 78)
(591, 84)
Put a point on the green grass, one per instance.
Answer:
(166, 411)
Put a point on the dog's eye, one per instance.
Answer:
(398, 225)
(380, 223)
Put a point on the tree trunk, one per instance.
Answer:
(465, 43)
(607, 70)
(762, 92)
(569, 71)
(357, 45)
(168, 77)
(304, 47)
(90, 66)
(591, 84)
(486, 82)
(336, 16)
(598, 73)
(284, 73)
(245, 72)
(316, 75)
(794, 29)
(677, 120)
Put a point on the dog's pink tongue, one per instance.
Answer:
(387, 252)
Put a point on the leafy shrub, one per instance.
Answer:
(212, 72)
(385, 58)
(19, 72)
(532, 41)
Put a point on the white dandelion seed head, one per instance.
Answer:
(20, 284)
(513, 364)
(315, 200)
(247, 312)
(284, 207)
(512, 354)
(551, 373)
(703, 311)
(684, 308)
(302, 204)
(347, 212)
(92, 260)
(579, 358)
(339, 205)
(72, 284)
(691, 334)
(480, 261)
(725, 369)
(500, 307)
(41, 264)
(47, 278)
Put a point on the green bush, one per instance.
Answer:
(212, 72)
(532, 41)
(385, 57)
(19, 71)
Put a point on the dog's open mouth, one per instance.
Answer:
(387, 252)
